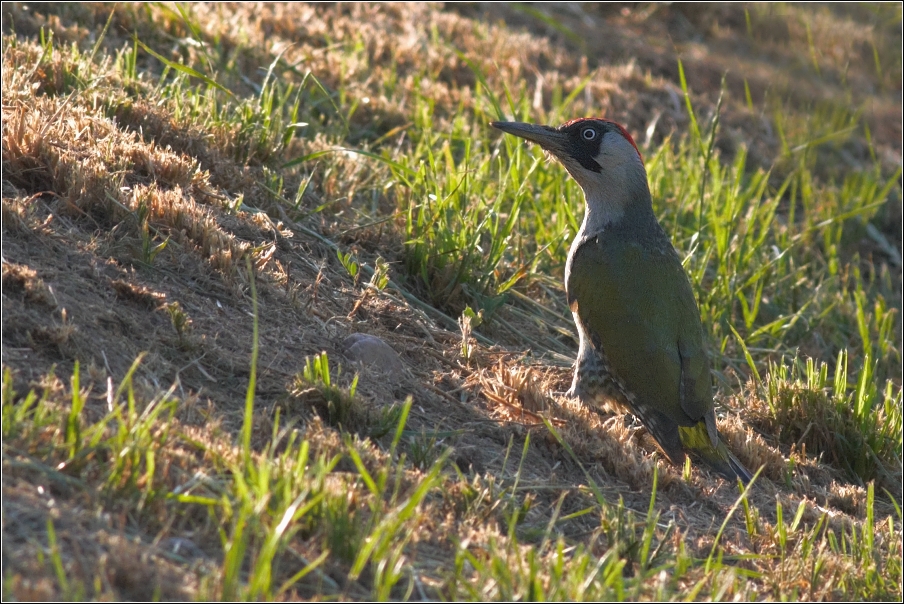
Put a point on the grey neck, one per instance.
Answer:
(620, 211)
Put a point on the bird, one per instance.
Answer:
(641, 341)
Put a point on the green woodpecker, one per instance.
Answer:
(641, 340)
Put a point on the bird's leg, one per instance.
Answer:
(634, 425)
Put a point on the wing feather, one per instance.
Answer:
(639, 305)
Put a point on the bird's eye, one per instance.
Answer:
(589, 134)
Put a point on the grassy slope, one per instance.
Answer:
(143, 180)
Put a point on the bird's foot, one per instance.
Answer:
(635, 427)
(632, 424)
(632, 421)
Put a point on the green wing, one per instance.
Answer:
(638, 305)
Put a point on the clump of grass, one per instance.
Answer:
(458, 222)
(340, 406)
(118, 461)
(336, 405)
(424, 448)
(851, 425)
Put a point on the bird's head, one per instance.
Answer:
(601, 156)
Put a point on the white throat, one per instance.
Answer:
(618, 188)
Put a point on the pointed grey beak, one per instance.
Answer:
(546, 136)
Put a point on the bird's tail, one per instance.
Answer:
(739, 470)
(697, 442)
